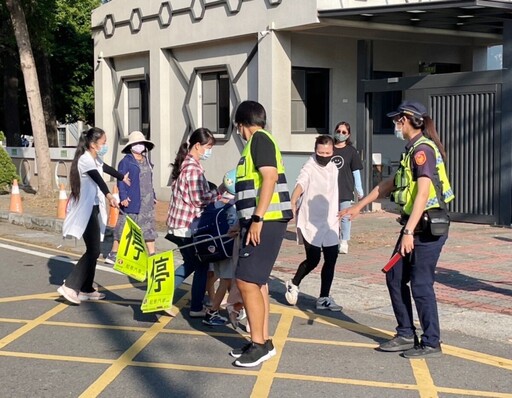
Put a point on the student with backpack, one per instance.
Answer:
(225, 268)
(190, 195)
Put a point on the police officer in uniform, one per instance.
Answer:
(422, 189)
(264, 209)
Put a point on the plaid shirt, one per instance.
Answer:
(190, 194)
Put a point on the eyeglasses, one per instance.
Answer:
(400, 120)
(344, 132)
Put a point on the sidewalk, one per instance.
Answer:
(474, 275)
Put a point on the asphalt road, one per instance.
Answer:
(110, 349)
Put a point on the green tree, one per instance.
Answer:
(28, 68)
(7, 168)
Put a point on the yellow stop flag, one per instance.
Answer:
(132, 255)
(160, 290)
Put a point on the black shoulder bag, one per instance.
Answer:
(438, 218)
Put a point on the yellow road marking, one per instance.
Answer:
(268, 372)
(31, 325)
(421, 372)
(474, 393)
(193, 368)
(323, 319)
(265, 377)
(127, 357)
(52, 357)
(340, 380)
(479, 357)
(331, 342)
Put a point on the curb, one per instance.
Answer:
(32, 222)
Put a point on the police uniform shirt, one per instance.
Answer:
(423, 159)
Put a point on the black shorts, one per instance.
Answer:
(255, 263)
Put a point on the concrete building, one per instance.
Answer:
(167, 67)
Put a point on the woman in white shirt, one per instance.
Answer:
(315, 206)
(86, 214)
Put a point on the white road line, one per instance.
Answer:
(54, 257)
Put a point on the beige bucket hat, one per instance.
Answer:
(136, 137)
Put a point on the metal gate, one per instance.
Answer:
(466, 108)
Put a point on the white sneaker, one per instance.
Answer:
(94, 296)
(343, 249)
(292, 293)
(327, 303)
(69, 294)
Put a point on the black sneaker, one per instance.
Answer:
(237, 352)
(423, 351)
(399, 343)
(256, 354)
(270, 347)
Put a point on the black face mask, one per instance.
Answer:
(323, 160)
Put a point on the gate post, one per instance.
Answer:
(505, 192)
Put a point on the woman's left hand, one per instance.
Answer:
(406, 244)
(112, 201)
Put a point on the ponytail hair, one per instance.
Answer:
(427, 126)
(203, 136)
(84, 143)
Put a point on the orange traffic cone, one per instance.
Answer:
(63, 201)
(15, 206)
(114, 213)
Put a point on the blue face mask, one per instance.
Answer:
(103, 150)
(399, 134)
(207, 153)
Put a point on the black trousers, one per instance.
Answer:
(313, 254)
(82, 276)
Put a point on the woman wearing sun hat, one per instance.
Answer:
(138, 199)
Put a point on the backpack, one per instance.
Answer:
(214, 221)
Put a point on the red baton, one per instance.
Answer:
(392, 261)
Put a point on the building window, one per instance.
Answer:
(310, 100)
(138, 110)
(383, 103)
(215, 102)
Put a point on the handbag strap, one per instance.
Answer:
(438, 187)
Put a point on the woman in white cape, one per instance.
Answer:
(315, 206)
(86, 214)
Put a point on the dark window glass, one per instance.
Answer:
(310, 100)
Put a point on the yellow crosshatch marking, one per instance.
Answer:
(262, 377)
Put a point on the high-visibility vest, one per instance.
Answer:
(406, 189)
(248, 185)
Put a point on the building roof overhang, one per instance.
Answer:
(485, 17)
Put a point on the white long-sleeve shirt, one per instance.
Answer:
(317, 220)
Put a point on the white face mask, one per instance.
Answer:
(138, 148)
(207, 153)
(398, 133)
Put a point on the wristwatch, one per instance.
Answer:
(408, 232)
(256, 218)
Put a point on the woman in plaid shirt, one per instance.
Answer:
(190, 195)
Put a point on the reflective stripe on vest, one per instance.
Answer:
(248, 185)
(406, 188)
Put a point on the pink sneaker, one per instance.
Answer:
(69, 294)
(82, 296)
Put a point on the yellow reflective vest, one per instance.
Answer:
(248, 185)
(406, 189)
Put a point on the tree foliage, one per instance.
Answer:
(61, 31)
(7, 170)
